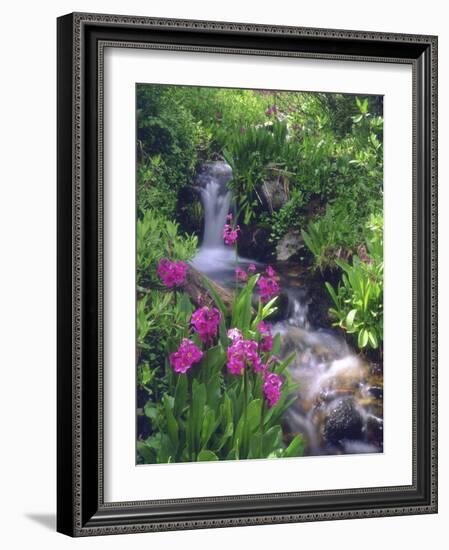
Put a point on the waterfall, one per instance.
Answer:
(214, 258)
(212, 182)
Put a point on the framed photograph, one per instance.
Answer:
(247, 279)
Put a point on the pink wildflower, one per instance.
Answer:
(229, 217)
(266, 343)
(230, 235)
(268, 288)
(205, 321)
(187, 354)
(235, 334)
(243, 353)
(241, 275)
(171, 273)
(261, 367)
(272, 388)
(251, 268)
(270, 271)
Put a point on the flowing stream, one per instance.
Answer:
(340, 405)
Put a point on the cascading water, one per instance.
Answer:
(214, 258)
(339, 409)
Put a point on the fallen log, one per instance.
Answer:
(196, 288)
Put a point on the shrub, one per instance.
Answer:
(290, 216)
(250, 152)
(161, 316)
(358, 299)
(167, 142)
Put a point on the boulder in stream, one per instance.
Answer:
(344, 421)
(289, 246)
(275, 193)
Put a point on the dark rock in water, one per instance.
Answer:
(289, 246)
(221, 171)
(254, 243)
(343, 422)
(274, 193)
(374, 429)
(376, 392)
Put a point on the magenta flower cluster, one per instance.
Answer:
(243, 353)
(230, 233)
(205, 321)
(272, 388)
(171, 273)
(268, 285)
(242, 275)
(186, 355)
(266, 342)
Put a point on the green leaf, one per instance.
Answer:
(172, 425)
(271, 440)
(226, 436)
(362, 338)
(145, 452)
(350, 318)
(276, 349)
(253, 414)
(332, 294)
(180, 394)
(206, 455)
(208, 426)
(373, 339)
(151, 410)
(296, 447)
(197, 411)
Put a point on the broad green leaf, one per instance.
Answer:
(151, 410)
(271, 440)
(253, 414)
(172, 425)
(206, 455)
(147, 454)
(180, 394)
(350, 318)
(362, 338)
(296, 447)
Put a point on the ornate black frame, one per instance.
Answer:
(81, 39)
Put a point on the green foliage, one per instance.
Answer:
(358, 299)
(161, 316)
(208, 414)
(158, 237)
(290, 216)
(334, 236)
(250, 152)
(167, 142)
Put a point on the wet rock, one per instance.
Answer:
(254, 243)
(289, 246)
(220, 171)
(344, 421)
(274, 193)
(376, 392)
(374, 429)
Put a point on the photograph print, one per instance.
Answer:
(259, 274)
